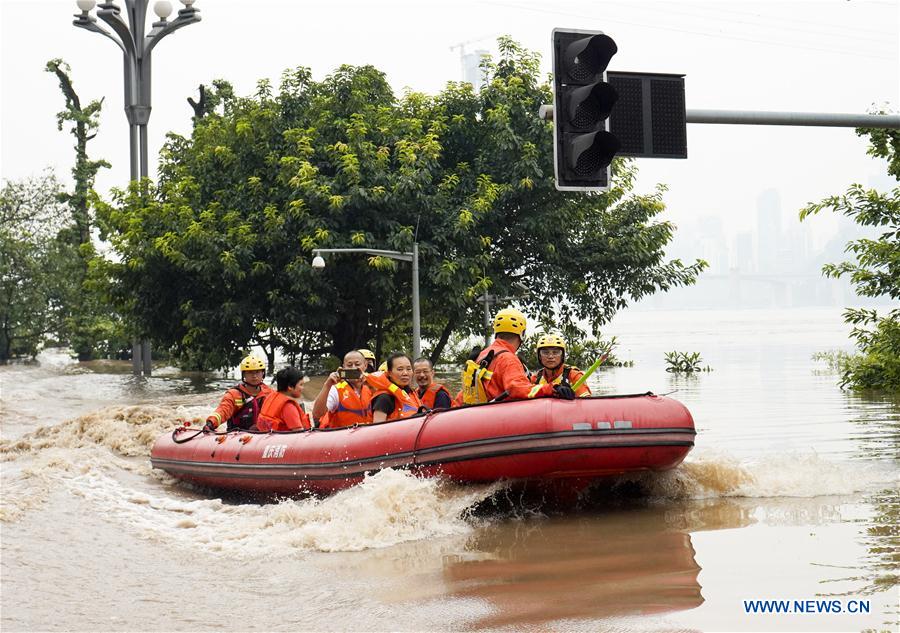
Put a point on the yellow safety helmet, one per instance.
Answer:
(367, 354)
(252, 363)
(551, 340)
(510, 320)
(383, 366)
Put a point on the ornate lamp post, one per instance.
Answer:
(319, 262)
(136, 46)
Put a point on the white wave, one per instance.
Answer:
(716, 474)
(387, 508)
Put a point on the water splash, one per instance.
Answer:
(387, 508)
(719, 475)
(128, 431)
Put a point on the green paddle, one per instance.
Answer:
(589, 371)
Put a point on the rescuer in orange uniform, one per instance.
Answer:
(396, 396)
(345, 398)
(240, 405)
(497, 369)
(283, 410)
(369, 355)
(551, 351)
(433, 395)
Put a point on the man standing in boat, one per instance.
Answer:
(497, 369)
(551, 353)
(345, 397)
(241, 404)
(433, 394)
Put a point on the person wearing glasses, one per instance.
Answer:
(551, 351)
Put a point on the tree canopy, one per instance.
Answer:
(216, 255)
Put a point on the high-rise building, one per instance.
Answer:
(742, 254)
(768, 231)
(471, 67)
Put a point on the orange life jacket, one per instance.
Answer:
(567, 374)
(353, 408)
(245, 406)
(406, 403)
(431, 393)
(270, 415)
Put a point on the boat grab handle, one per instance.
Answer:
(187, 439)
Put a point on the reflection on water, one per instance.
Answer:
(880, 569)
(583, 568)
(875, 420)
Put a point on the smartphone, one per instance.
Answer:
(349, 374)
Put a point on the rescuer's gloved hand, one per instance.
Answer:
(211, 425)
(563, 391)
(542, 391)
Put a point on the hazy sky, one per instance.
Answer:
(823, 56)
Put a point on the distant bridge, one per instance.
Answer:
(784, 289)
(774, 279)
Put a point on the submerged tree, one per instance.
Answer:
(34, 265)
(874, 271)
(90, 326)
(218, 258)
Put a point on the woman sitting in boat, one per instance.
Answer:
(240, 404)
(282, 410)
(396, 398)
(551, 351)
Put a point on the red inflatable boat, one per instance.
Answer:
(543, 440)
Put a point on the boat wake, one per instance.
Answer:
(707, 475)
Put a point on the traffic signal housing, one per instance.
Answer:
(650, 119)
(582, 102)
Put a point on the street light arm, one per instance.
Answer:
(403, 257)
(412, 257)
(89, 23)
(185, 17)
(109, 13)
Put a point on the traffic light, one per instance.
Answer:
(582, 101)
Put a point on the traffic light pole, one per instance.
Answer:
(751, 117)
(815, 119)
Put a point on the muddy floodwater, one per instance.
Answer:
(784, 517)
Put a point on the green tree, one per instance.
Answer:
(91, 327)
(217, 256)
(34, 265)
(874, 271)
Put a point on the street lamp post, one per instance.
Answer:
(136, 48)
(413, 257)
(488, 300)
